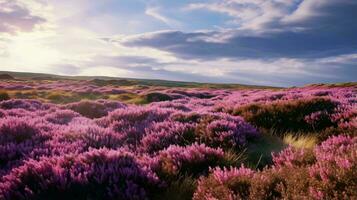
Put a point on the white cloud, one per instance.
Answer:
(341, 59)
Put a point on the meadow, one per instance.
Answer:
(102, 139)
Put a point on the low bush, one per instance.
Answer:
(291, 115)
(94, 109)
(191, 160)
(97, 174)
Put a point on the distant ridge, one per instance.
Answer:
(6, 77)
(104, 80)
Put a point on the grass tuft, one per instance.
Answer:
(302, 141)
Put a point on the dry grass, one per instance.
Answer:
(302, 141)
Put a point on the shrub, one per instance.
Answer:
(334, 174)
(94, 109)
(132, 123)
(97, 174)
(224, 131)
(226, 184)
(290, 115)
(164, 134)
(16, 130)
(190, 160)
(61, 117)
(90, 136)
(29, 105)
(18, 137)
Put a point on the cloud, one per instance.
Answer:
(307, 31)
(254, 15)
(16, 16)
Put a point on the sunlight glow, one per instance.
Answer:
(26, 51)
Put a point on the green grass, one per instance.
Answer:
(259, 151)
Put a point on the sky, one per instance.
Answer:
(260, 42)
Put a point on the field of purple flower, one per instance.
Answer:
(78, 140)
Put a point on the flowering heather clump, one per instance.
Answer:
(189, 146)
(292, 157)
(97, 174)
(225, 184)
(61, 117)
(164, 134)
(18, 138)
(131, 123)
(224, 131)
(29, 105)
(16, 130)
(91, 136)
(192, 160)
(334, 174)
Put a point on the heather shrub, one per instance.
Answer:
(225, 184)
(163, 134)
(190, 160)
(29, 105)
(224, 131)
(16, 130)
(267, 184)
(334, 174)
(294, 115)
(97, 174)
(18, 137)
(244, 183)
(293, 157)
(61, 117)
(94, 109)
(91, 136)
(132, 123)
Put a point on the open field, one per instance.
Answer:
(101, 138)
